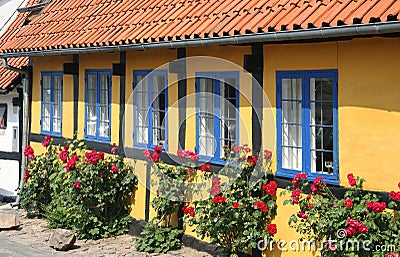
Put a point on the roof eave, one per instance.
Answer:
(324, 33)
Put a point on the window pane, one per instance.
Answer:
(91, 127)
(321, 121)
(292, 124)
(206, 85)
(291, 89)
(159, 136)
(3, 116)
(92, 82)
(91, 112)
(104, 129)
(57, 125)
(104, 97)
(206, 126)
(46, 123)
(291, 158)
(141, 126)
(104, 82)
(46, 117)
(56, 111)
(46, 81)
(46, 95)
(104, 114)
(206, 146)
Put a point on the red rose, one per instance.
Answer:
(296, 195)
(261, 206)
(376, 206)
(235, 205)
(348, 203)
(27, 173)
(114, 168)
(216, 187)
(66, 147)
(270, 188)
(302, 215)
(205, 167)
(77, 185)
(267, 154)
(29, 152)
(63, 156)
(92, 157)
(297, 178)
(46, 141)
(317, 186)
(188, 210)
(158, 149)
(114, 150)
(147, 154)
(155, 157)
(71, 163)
(272, 229)
(100, 155)
(237, 149)
(252, 160)
(351, 179)
(219, 199)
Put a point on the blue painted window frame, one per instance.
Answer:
(98, 73)
(51, 74)
(305, 76)
(150, 144)
(217, 76)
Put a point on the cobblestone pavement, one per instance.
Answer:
(34, 235)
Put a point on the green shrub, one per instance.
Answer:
(157, 239)
(86, 191)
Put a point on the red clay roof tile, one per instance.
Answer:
(67, 23)
(8, 76)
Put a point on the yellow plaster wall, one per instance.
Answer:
(369, 111)
(53, 63)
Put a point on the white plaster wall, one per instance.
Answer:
(9, 177)
(8, 12)
(6, 135)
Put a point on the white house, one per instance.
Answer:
(10, 109)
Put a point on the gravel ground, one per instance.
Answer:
(33, 234)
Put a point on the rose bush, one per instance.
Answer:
(86, 191)
(239, 209)
(339, 225)
(169, 182)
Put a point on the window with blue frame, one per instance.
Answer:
(150, 108)
(51, 109)
(98, 105)
(307, 132)
(217, 113)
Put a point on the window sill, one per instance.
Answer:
(289, 174)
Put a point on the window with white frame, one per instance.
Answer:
(307, 123)
(150, 108)
(3, 116)
(51, 114)
(98, 105)
(217, 105)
